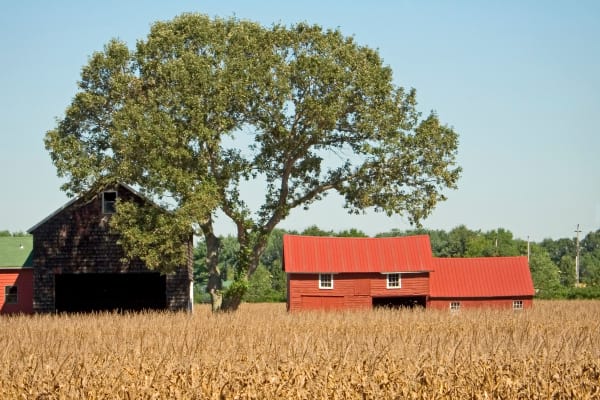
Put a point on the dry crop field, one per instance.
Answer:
(551, 351)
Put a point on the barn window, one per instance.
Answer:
(454, 305)
(109, 200)
(517, 304)
(10, 295)
(325, 281)
(393, 281)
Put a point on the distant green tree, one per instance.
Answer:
(5, 233)
(314, 230)
(458, 241)
(590, 268)
(260, 288)
(21, 234)
(591, 242)
(566, 265)
(351, 233)
(557, 249)
(438, 238)
(590, 259)
(271, 260)
(545, 274)
(493, 243)
(391, 233)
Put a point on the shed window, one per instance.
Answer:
(109, 200)
(393, 281)
(454, 305)
(10, 295)
(517, 304)
(325, 281)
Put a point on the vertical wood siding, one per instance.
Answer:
(411, 285)
(350, 291)
(500, 303)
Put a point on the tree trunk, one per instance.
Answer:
(231, 302)
(214, 286)
(216, 300)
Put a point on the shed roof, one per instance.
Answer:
(324, 254)
(16, 251)
(481, 277)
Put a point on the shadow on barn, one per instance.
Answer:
(98, 292)
(399, 302)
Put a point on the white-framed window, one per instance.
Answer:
(11, 295)
(325, 281)
(109, 201)
(454, 305)
(393, 281)
(517, 304)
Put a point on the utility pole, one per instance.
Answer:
(528, 249)
(577, 232)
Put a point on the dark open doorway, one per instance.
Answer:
(399, 302)
(109, 292)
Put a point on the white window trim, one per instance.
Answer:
(387, 281)
(325, 287)
(104, 211)
(454, 306)
(518, 305)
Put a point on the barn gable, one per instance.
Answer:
(79, 265)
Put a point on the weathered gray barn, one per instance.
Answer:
(79, 266)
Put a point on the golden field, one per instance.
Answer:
(550, 351)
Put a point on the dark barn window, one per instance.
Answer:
(109, 200)
(11, 295)
(110, 292)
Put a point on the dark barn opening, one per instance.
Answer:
(110, 292)
(399, 302)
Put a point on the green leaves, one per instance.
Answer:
(201, 105)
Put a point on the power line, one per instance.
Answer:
(577, 231)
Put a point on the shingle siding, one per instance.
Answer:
(78, 239)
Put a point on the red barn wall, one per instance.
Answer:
(23, 279)
(411, 285)
(501, 303)
(350, 291)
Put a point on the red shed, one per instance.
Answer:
(16, 275)
(354, 273)
(503, 282)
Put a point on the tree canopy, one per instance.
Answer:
(202, 106)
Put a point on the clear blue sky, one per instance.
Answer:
(518, 80)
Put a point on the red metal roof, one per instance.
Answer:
(320, 254)
(481, 277)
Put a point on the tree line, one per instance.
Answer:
(552, 262)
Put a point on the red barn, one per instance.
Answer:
(359, 273)
(16, 275)
(503, 282)
(332, 273)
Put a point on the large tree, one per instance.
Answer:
(201, 107)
